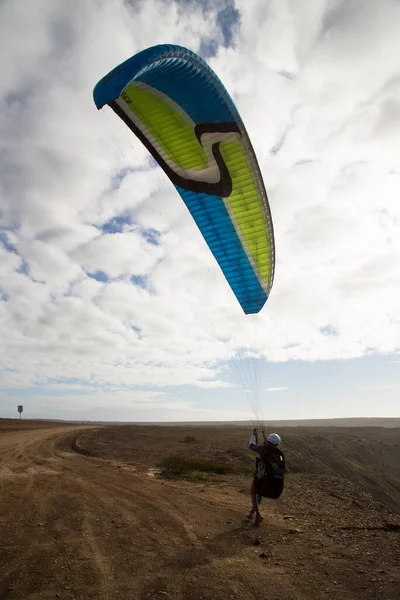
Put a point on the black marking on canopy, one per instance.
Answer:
(222, 188)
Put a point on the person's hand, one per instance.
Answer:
(254, 431)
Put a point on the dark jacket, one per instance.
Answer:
(270, 469)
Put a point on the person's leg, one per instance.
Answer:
(254, 503)
(254, 499)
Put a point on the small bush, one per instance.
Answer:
(189, 466)
(189, 439)
(181, 465)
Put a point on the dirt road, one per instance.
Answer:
(73, 526)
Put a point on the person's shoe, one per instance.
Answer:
(249, 515)
(259, 518)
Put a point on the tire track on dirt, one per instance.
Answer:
(78, 540)
(100, 560)
(144, 502)
(170, 518)
(39, 497)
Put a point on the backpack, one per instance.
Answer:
(269, 477)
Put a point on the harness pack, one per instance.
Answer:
(269, 477)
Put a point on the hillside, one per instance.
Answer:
(368, 458)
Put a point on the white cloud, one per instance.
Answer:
(276, 389)
(318, 87)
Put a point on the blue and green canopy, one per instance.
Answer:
(179, 109)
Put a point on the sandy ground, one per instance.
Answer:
(74, 526)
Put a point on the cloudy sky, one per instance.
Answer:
(111, 305)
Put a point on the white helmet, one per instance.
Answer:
(274, 439)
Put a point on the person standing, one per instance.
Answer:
(269, 477)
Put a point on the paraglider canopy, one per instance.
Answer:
(179, 109)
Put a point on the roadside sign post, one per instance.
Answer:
(20, 409)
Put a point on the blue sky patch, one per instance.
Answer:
(23, 268)
(136, 329)
(99, 276)
(329, 330)
(119, 177)
(152, 236)
(208, 48)
(116, 224)
(5, 243)
(139, 281)
(228, 20)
